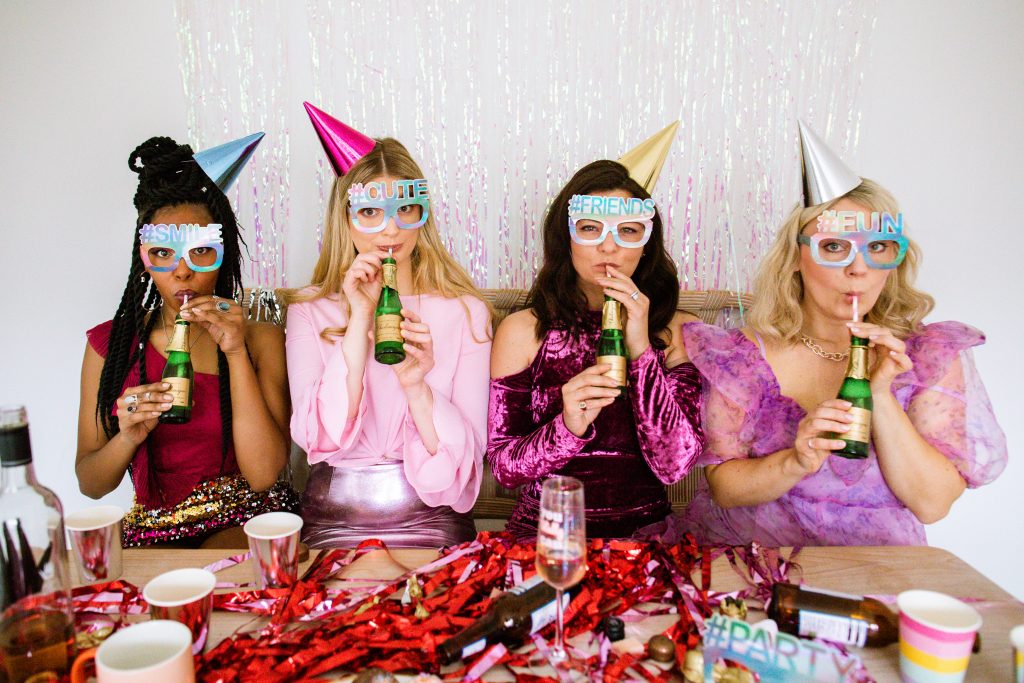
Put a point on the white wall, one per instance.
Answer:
(82, 83)
(943, 114)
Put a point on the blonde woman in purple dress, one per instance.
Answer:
(770, 402)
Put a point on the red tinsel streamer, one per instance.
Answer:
(458, 589)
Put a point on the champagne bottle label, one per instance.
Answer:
(387, 328)
(390, 275)
(179, 390)
(830, 627)
(860, 428)
(179, 340)
(611, 316)
(618, 371)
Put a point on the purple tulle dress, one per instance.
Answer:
(635, 447)
(846, 502)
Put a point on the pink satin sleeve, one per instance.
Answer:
(666, 407)
(452, 475)
(320, 403)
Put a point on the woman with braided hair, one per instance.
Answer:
(199, 481)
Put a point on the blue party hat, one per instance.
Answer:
(223, 163)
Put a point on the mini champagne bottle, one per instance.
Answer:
(611, 345)
(857, 390)
(387, 346)
(179, 374)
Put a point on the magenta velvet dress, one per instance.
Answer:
(184, 490)
(847, 502)
(637, 445)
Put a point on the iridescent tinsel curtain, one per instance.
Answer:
(501, 102)
(234, 67)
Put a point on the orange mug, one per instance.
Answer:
(158, 651)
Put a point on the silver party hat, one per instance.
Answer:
(826, 177)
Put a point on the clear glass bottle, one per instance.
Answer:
(37, 635)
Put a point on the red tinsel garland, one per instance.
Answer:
(387, 634)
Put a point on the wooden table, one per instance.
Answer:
(875, 570)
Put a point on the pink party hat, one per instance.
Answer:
(344, 145)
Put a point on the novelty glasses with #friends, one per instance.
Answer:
(628, 220)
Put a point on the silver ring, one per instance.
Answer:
(809, 443)
(223, 306)
(583, 406)
(635, 296)
(131, 403)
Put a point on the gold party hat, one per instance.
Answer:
(644, 161)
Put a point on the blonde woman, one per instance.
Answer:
(771, 388)
(396, 450)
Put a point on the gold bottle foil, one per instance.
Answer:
(179, 340)
(611, 316)
(860, 428)
(390, 275)
(858, 362)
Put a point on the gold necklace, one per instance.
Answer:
(822, 353)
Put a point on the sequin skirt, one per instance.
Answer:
(216, 504)
(343, 506)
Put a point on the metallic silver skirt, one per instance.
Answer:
(343, 506)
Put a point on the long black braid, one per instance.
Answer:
(168, 176)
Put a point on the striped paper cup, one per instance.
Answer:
(1017, 640)
(936, 636)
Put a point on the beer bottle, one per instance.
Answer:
(387, 346)
(857, 390)
(179, 374)
(611, 345)
(513, 617)
(848, 619)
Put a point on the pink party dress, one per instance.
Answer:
(847, 502)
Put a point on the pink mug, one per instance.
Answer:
(153, 651)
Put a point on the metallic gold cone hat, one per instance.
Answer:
(826, 177)
(644, 161)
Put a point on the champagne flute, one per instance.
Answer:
(561, 545)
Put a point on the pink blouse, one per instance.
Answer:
(383, 429)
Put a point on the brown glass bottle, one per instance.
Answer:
(841, 618)
(525, 609)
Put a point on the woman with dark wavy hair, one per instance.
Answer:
(197, 480)
(553, 410)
